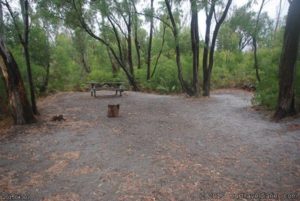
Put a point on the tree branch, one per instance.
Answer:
(19, 33)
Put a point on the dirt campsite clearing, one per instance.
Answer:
(166, 148)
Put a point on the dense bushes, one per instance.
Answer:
(232, 68)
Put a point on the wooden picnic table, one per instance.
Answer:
(115, 86)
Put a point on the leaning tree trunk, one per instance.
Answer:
(286, 98)
(20, 108)
(160, 51)
(184, 85)
(113, 65)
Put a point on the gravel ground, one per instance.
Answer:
(161, 148)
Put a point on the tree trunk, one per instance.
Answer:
(183, 84)
(20, 108)
(120, 60)
(84, 62)
(150, 44)
(287, 66)
(1, 22)
(113, 65)
(117, 39)
(208, 70)
(136, 40)
(278, 17)
(130, 62)
(25, 43)
(206, 74)
(254, 41)
(213, 44)
(129, 53)
(255, 59)
(195, 46)
(137, 47)
(160, 51)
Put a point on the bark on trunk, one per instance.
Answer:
(129, 45)
(206, 73)
(160, 51)
(287, 66)
(255, 59)
(195, 46)
(25, 43)
(117, 39)
(113, 65)
(136, 40)
(183, 84)
(254, 41)
(150, 44)
(119, 60)
(20, 108)
(1, 22)
(84, 62)
(209, 65)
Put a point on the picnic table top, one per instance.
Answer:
(94, 82)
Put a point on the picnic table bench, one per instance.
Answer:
(115, 86)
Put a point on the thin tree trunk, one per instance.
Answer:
(25, 14)
(113, 65)
(195, 46)
(136, 40)
(84, 63)
(119, 60)
(5, 105)
(137, 47)
(254, 40)
(1, 22)
(160, 51)
(117, 39)
(208, 70)
(278, 17)
(213, 43)
(20, 108)
(206, 74)
(150, 44)
(255, 59)
(287, 66)
(129, 45)
(183, 84)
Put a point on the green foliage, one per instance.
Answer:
(233, 70)
(65, 73)
(57, 40)
(105, 76)
(164, 80)
(267, 90)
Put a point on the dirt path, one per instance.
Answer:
(166, 148)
